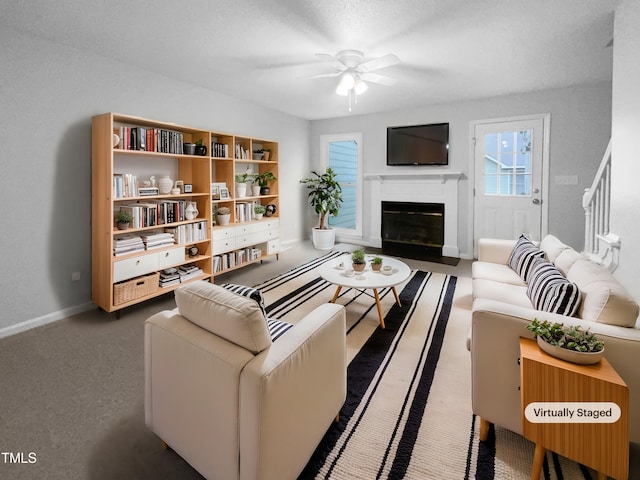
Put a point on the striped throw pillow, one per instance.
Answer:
(522, 257)
(249, 292)
(550, 291)
(277, 328)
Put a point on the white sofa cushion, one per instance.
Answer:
(497, 272)
(233, 317)
(552, 247)
(550, 291)
(605, 299)
(523, 255)
(566, 259)
(502, 292)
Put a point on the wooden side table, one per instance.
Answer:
(603, 447)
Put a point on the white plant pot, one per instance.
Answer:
(255, 190)
(241, 190)
(323, 239)
(224, 219)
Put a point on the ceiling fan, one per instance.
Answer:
(354, 72)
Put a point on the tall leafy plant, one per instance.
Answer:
(325, 194)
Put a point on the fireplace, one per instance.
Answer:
(413, 230)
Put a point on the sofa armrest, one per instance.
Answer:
(495, 250)
(290, 394)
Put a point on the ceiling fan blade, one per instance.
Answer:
(322, 75)
(333, 60)
(379, 79)
(378, 63)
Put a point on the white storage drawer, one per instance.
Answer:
(265, 225)
(223, 245)
(266, 235)
(134, 267)
(243, 230)
(170, 258)
(222, 233)
(244, 241)
(273, 246)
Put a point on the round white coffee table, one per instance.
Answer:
(334, 272)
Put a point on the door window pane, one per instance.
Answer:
(507, 165)
(343, 159)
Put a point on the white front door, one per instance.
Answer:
(510, 163)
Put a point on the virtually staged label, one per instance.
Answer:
(572, 412)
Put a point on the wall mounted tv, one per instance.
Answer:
(418, 144)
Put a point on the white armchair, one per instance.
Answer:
(231, 402)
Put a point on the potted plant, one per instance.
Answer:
(357, 259)
(325, 196)
(255, 186)
(241, 184)
(223, 215)
(571, 343)
(258, 154)
(200, 149)
(263, 180)
(123, 219)
(266, 154)
(259, 210)
(376, 264)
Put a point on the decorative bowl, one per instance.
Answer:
(573, 356)
(349, 273)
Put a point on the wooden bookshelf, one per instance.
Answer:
(134, 272)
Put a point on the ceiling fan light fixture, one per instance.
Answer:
(347, 81)
(360, 87)
(340, 90)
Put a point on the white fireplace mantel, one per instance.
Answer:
(426, 187)
(441, 175)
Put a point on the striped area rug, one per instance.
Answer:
(408, 408)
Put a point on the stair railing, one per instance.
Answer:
(599, 243)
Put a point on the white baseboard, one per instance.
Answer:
(49, 318)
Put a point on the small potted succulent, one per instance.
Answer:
(376, 264)
(568, 343)
(259, 210)
(123, 219)
(357, 259)
(223, 215)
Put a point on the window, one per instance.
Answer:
(342, 153)
(507, 163)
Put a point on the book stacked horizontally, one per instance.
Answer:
(189, 272)
(155, 239)
(169, 277)
(123, 244)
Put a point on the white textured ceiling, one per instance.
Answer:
(261, 50)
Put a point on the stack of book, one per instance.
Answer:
(169, 277)
(189, 272)
(123, 244)
(155, 239)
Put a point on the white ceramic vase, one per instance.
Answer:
(165, 184)
(191, 212)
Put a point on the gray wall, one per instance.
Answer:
(625, 163)
(48, 95)
(580, 131)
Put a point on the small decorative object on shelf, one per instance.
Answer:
(123, 219)
(376, 264)
(567, 343)
(193, 251)
(223, 215)
(357, 258)
(201, 149)
(189, 148)
(188, 188)
(270, 210)
(259, 210)
(191, 212)
(165, 184)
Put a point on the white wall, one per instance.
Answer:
(625, 163)
(48, 95)
(580, 131)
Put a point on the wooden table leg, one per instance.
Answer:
(395, 293)
(377, 297)
(335, 295)
(538, 458)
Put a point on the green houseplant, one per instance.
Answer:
(123, 219)
(570, 343)
(325, 196)
(357, 259)
(259, 210)
(241, 184)
(263, 180)
(376, 264)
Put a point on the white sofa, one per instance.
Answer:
(229, 400)
(502, 309)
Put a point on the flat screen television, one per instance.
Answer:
(418, 144)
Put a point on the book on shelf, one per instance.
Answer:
(149, 139)
(220, 150)
(125, 185)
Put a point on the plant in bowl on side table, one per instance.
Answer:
(358, 261)
(571, 343)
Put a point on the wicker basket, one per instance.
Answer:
(135, 288)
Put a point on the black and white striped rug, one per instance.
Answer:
(408, 408)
